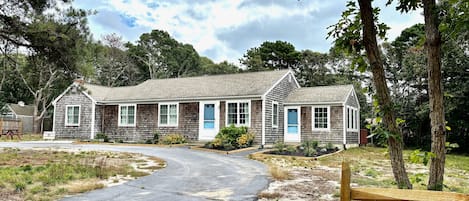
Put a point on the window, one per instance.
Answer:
(352, 118)
(238, 113)
(127, 115)
(168, 114)
(321, 118)
(274, 114)
(72, 117)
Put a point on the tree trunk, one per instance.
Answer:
(382, 91)
(437, 115)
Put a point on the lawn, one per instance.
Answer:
(52, 174)
(309, 179)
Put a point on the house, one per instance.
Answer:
(22, 112)
(197, 107)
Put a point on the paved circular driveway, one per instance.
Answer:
(189, 175)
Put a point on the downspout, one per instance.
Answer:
(263, 123)
(53, 119)
(93, 119)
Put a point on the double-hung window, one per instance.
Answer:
(275, 114)
(321, 118)
(127, 114)
(238, 113)
(72, 117)
(168, 114)
(352, 118)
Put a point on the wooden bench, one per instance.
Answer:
(11, 132)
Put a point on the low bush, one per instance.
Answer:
(230, 138)
(173, 139)
(102, 136)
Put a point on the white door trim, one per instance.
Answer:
(208, 134)
(287, 136)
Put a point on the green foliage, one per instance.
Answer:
(231, 137)
(280, 146)
(329, 146)
(158, 55)
(102, 136)
(371, 173)
(173, 139)
(420, 157)
(271, 55)
(309, 147)
(417, 178)
(208, 67)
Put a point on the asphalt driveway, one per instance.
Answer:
(189, 175)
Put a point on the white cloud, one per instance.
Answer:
(242, 23)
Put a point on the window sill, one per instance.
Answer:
(163, 126)
(324, 130)
(130, 125)
(72, 125)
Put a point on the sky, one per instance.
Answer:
(226, 29)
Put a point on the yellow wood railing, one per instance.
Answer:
(378, 194)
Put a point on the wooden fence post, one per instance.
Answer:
(345, 182)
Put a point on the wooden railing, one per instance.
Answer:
(378, 194)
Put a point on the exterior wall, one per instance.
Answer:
(256, 120)
(82, 131)
(28, 123)
(278, 93)
(334, 135)
(147, 123)
(222, 114)
(352, 136)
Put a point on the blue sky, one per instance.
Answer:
(225, 30)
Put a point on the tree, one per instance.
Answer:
(271, 55)
(435, 90)
(114, 67)
(312, 69)
(160, 56)
(208, 67)
(53, 42)
(357, 29)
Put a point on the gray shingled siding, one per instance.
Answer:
(98, 124)
(147, 123)
(256, 120)
(351, 101)
(82, 131)
(352, 137)
(278, 93)
(222, 114)
(334, 136)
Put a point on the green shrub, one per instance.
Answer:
(309, 147)
(156, 137)
(230, 138)
(245, 140)
(291, 149)
(280, 147)
(173, 139)
(329, 146)
(102, 136)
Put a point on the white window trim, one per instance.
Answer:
(177, 114)
(352, 115)
(66, 115)
(248, 122)
(119, 116)
(313, 121)
(275, 124)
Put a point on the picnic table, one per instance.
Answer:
(11, 132)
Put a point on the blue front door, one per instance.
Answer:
(208, 119)
(292, 129)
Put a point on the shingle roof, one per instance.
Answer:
(323, 94)
(230, 85)
(26, 110)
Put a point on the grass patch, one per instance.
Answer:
(371, 167)
(51, 174)
(278, 173)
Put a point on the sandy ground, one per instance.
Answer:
(318, 183)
